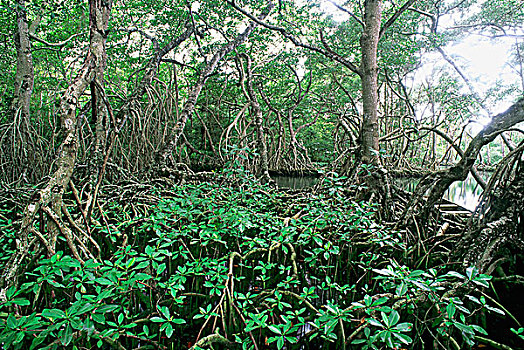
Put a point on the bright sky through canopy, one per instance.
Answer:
(483, 60)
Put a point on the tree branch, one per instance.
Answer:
(343, 9)
(395, 16)
(141, 32)
(55, 45)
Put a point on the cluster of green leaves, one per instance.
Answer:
(7, 213)
(78, 304)
(440, 290)
(247, 261)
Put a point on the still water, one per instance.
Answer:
(295, 182)
(464, 193)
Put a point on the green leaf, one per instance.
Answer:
(10, 292)
(416, 273)
(83, 309)
(130, 262)
(494, 309)
(374, 322)
(292, 340)
(21, 302)
(67, 335)
(385, 318)
(380, 301)
(481, 282)
(404, 327)
(402, 288)
(55, 284)
(165, 312)
(19, 337)
(161, 268)
(142, 277)
(53, 314)
(479, 329)
(158, 319)
(330, 326)
(169, 330)
(141, 265)
(393, 318)
(11, 321)
(106, 308)
(464, 328)
(450, 310)
(103, 281)
(403, 338)
(104, 294)
(280, 343)
(388, 339)
(471, 272)
(385, 272)
(99, 318)
(274, 329)
(473, 299)
(454, 274)
(37, 341)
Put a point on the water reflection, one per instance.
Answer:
(464, 193)
(295, 182)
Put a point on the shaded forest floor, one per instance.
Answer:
(235, 264)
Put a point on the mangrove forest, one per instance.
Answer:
(261, 174)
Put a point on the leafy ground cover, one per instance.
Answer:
(243, 266)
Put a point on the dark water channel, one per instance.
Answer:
(464, 193)
(295, 182)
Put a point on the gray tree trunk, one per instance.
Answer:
(435, 184)
(23, 152)
(369, 76)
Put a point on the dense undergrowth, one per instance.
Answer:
(242, 266)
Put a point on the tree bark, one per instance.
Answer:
(499, 232)
(369, 76)
(259, 122)
(98, 15)
(150, 73)
(24, 79)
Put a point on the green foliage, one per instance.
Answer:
(519, 332)
(261, 266)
